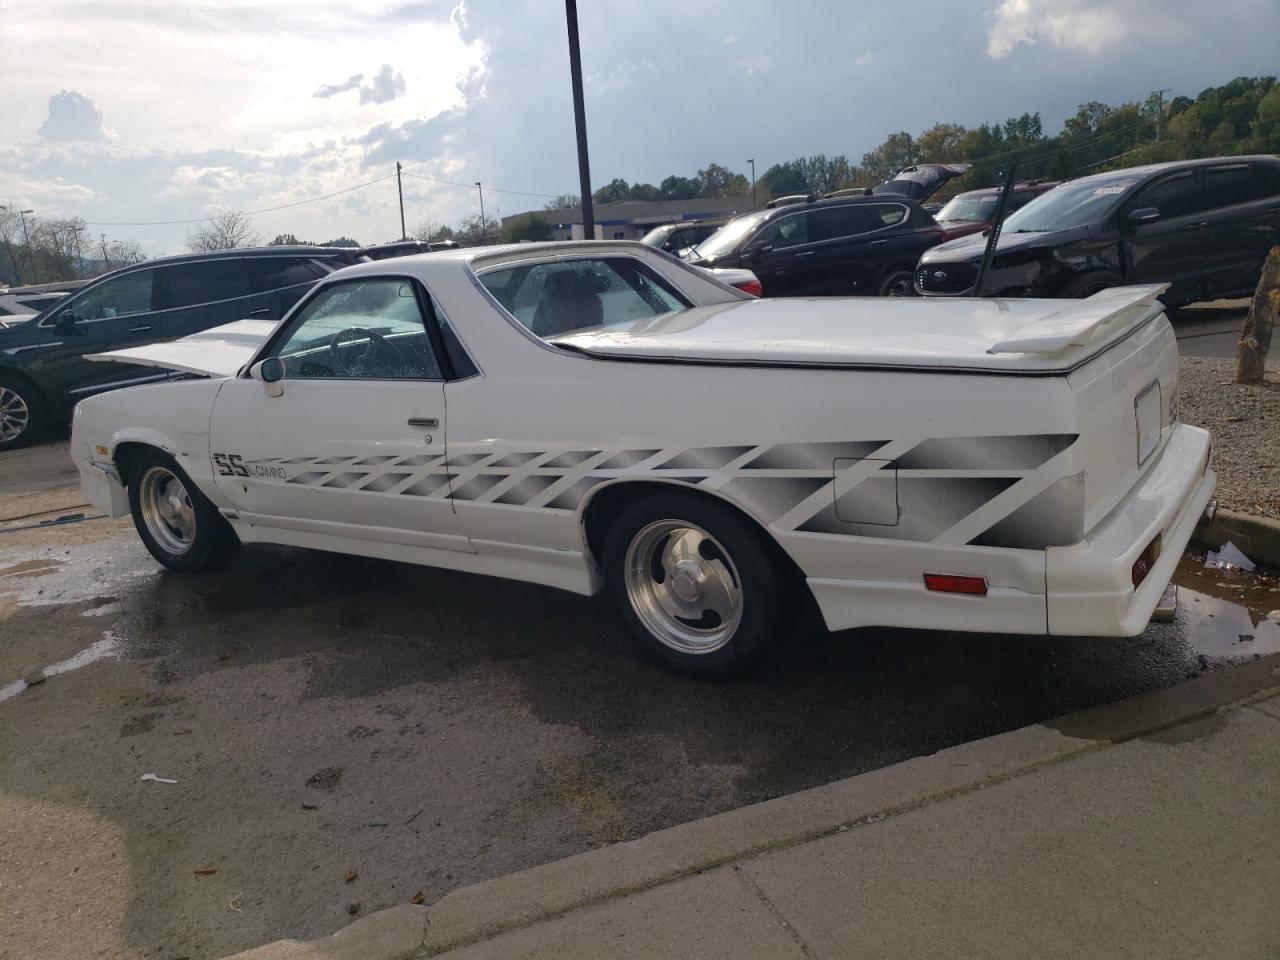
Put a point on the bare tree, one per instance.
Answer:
(565, 201)
(1255, 337)
(431, 231)
(226, 232)
(121, 253)
(58, 249)
(10, 238)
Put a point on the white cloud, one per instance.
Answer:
(755, 65)
(386, 86)
(1088, 27)
(862, 59)
(333, 89)
(73, 116)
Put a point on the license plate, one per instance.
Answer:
(1148, 408)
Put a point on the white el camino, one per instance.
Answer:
(599, 416)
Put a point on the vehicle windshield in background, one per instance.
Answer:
(655, 236)
(729, 236)
(968, 209)
(560, 297)
(1070, 205)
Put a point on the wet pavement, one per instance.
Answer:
(326, 715)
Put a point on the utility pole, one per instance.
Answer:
(400, 190)
(106, 261)
(753, 182)
(1160, 110)
(580, 120)
(482, 223)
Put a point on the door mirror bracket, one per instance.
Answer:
(270, 373)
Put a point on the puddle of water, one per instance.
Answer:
(1224, 616)
(108, 646)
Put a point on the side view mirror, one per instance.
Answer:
(269, 373)
(65, 322)
(1144, 214)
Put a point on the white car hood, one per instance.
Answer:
(1013, 336)
(216, 352)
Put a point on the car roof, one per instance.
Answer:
(822, 204)
(1022, 187)
(1152, 169)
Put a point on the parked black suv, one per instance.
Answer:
(845, 246)
(43, 372)
(1203, 226)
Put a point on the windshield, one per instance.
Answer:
(727, 238)
(1069, 205)
(655, 236)
(968, 209)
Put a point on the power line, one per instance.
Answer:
(247, 213)
(468, 186)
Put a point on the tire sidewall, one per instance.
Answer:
(37, 411)
(214, 540)
(760, 582)
(891, 277)
(1086, 285)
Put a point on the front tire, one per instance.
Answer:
(897, 283)
(178, 524)
(24, 414)
(697, 587)
(1086, 285)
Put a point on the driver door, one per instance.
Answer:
(353, 445)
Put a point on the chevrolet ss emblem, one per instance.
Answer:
(939, 275)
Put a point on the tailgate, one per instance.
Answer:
(1127, 400)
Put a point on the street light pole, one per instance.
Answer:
(400, 190)
(753, 182)
(580, 121)
(482, 223)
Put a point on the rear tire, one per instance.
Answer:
(698, 588)
(897, 283)
(178, 524)
(1087, 284)
(24, 414)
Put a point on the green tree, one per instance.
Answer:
(341, 242)
(896, 153)
(286, 239)
(528, 226)
(717, 181)
(678, 188)
(1266, 121)
(613, 191)
(942, 143)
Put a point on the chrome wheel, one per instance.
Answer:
(167, 510)
(15, 415)
(683, 586)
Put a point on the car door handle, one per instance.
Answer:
(142, 329)
(1196, 226)
(260, 312)
(430, 422)
(877, 243)
(805, 253)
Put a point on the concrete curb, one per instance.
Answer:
(486, 909)
(1258, 537)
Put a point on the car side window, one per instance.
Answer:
(360, 330)
(202, 281)
(1175, 196)
(1228, 186)
(832, 223)
(276, 273)
(787, 231)
(119, 297)
(549, 299)
(1267, 177)
(887, 214)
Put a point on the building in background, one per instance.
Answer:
(632, 219)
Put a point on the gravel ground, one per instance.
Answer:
(1245, 423)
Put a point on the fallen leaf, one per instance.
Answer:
(351, 875)
(206, 872)
(417, 898)
(182, 733)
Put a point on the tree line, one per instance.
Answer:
(38, 250)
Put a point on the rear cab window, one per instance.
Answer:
(552, 298)
(202, 281)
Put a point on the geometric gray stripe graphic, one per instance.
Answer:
(427, 485)
(1023, 452)
(527, 489)
(383, 482)
(344, 480)
(570, 498)
(770, 497)
(927, 507)
(466, 459)
(517, 459)
(874, 500)
(332, 460)
(309, 477)
(571, 459)
(476, 487)
(1052, 518)
(703, 458)
(372, 461)
(812, 456)
(422, 458)
(625, 459)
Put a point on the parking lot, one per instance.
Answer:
(346, 734)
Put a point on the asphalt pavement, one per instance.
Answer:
(349, 734)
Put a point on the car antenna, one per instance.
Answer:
(993, 237)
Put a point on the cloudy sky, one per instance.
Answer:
(148, 110)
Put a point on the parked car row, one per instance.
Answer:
(43, 371)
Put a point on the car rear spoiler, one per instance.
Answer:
(216, 352)
(1075, 323)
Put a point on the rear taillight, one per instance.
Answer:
(1146, 560)
(950, 583)
(753, 287)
